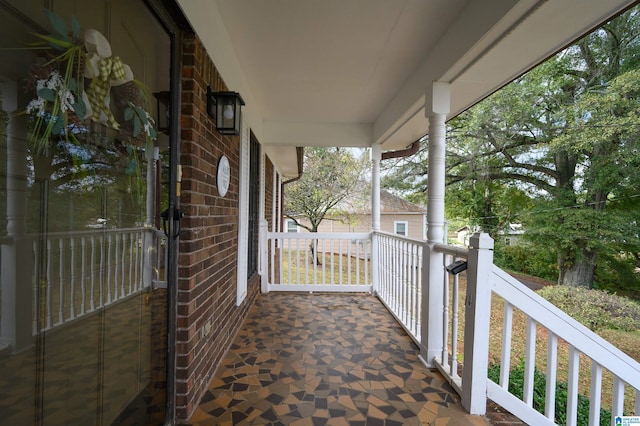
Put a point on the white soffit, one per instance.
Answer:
(358, 72)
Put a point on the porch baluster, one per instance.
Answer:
(529, 362)
(101, 271)
(130, 263)
(61, 281)
(115, 279)
(507, 330)
(595, 393)
(123, 262)
(454, 328)
(92, 303)
(552, 368)
(83, 275)
(444, 358)
(49, 279)
(572, 387)
(72, 297)
(617, 403)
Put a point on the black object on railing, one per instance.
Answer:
(456, 267)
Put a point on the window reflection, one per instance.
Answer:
(82, 320)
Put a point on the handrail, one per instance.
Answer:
(565, 327)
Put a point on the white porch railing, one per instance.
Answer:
(81, 272)
(400, 278)
(317, 262)
(397, 277)
(585, 347)
(590, 357)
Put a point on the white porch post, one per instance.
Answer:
(433, 281)
(17, 266)
(476, 331)
(376, 156)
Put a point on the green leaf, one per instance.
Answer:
(76, 27)
(72, 84)
(47, 94)
(58, 24)
(128, 114)
(141, 114)
(56, 42)
(131, 167)
(137, 127)
(58, 125)
(80, 107)
(152, 133)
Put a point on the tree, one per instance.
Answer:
(331, 176)
(567, 132)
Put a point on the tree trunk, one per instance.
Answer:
(577, 272)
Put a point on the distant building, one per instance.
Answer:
(397, 216)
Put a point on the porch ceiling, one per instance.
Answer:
(358, 72)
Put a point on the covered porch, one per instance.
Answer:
(335, 359)
(318, 333)
(382, 75)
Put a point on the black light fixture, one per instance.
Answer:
(163, 103)
(456, 267)
(224, 108)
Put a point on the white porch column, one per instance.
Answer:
(433, 284)
(17, 266)
(376, 156)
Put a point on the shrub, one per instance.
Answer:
(516, 388)
(527, 259)
(595, 309)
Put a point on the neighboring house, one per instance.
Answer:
(463, 234)
(397, 216)
(510, 235)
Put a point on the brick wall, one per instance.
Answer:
(207, 264)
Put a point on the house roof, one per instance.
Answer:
(390, 203)
(359, 72)
(360, 203)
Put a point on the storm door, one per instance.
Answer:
(82, 184)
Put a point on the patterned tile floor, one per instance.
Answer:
(316, 359)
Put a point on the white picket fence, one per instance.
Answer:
(394, 269)
(78, 273)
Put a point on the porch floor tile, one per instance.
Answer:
(336, 359)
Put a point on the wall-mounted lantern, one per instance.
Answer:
(225, 109)
(163, 104)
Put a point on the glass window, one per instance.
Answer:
(401, 228)
(291, 226)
